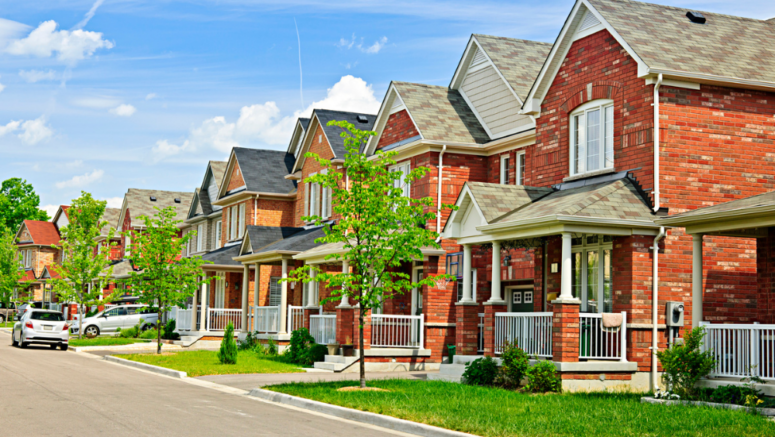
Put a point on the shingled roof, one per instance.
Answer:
(223, 256)
(441, 114)
(665, 39)
(333, 133)
(139, 203)
(495, 200)
(518, 60)
(265, 170)
(735, 206)
(42, 233)
(110, 216)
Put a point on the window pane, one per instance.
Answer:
(579, 152)
(577, 274)
(505, 170)
(591, 239)
(593, 286)
(593, 140)
(521, 169)
(608, 301)
(275, 292)
(609, 137)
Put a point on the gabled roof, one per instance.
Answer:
(50, 272)
(259, 237)
(223, 256)
(321, 117)
(110, 216)
(219, 169)
(263, 171)
(139, 203)
(299, 130)
(662, 40)
(201, 204)
(746, 209)
(42, 233)
(495, 200)
(27, 275)
(267, 239)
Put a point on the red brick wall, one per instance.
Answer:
(399, 126)
(273, 213)
(235, 179)
(765, 267)
(321, 147)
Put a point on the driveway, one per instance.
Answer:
(50, 392)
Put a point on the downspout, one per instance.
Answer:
(656, 142)
(654, 302)
(438, 201)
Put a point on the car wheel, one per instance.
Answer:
(23, 343)
(13, 340)
(63, 347)
(92, 331)
(2, 319)
(53, 346)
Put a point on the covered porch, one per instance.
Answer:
(743, 345)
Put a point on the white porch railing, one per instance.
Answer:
(295, 318)
(741, 350)
(322, 327)
(388, 330)
(266, 319)
(480, 342)
(532, 332)
(182, 318)
(219, 318)
(599, 343)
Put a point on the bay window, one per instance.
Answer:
(591, 272)
(592, 137)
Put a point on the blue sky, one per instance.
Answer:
(107, 95)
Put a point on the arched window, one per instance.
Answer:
(592, 137)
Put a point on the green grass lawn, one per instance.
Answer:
(104, 341)
(496, 412)
(7, 324)
(201, 363)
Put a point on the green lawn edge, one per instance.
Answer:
(493, 412)
(203, 363)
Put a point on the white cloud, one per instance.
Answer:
(353, 42)
(97, 102)
(262, 124)
(89, 15)
(70, 46)
(150, 96)
(33, 76)
(114, 202)
(81, 180)
(11, 29)
(50, 210)
(2, 87)
(124, 110)
(33, 131)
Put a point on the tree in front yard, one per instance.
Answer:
(10, 273)
(162, 277)
(227, 354)
(18, 202)
(85, 269)
(381, 227)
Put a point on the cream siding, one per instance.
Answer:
(492, 100)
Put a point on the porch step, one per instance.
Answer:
(448, 372)
(187, 340)
(335, 363)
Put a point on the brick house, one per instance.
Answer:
(36, 243)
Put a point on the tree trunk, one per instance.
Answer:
(158, 332)
(80, 321)
(363, 351)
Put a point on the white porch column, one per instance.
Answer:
(467, 294)
(696, 280)
(205, 300)
(495, 291)
(194, 300)
(311, 286)
(284, 299)
(566, 279)
(245, 291)
(345, 300)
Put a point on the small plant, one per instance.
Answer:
(315, 353)
(168, 331)
(298, 350)
(249, 343)
(481, 371)
(228, 352)
(543, 378)
(665, 394)
(515, 364)
(269, 349)
(149, 334)
(133, 332)
(684, 364)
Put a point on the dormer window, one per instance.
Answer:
(592, 137)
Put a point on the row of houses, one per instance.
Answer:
(614, 189)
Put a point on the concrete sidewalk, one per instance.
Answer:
(251, 381)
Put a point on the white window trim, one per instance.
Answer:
(241, 220)
(233, 223)
(218, 230)
(600, 104)
(598, 247)
(199, 232)
(325, 201)
(504, 175)
(520, 180)
(128, 248)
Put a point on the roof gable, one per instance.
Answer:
(299, 130)
(40, 233)
(258, 170)
(333, 134)
(138, 202)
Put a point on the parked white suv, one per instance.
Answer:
(41, 327)
(122, 316)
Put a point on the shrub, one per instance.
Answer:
(481, 371)
(315, 353)
(168, 331)
(269, 349)
(514, 366)
(298, 349)
(228, 352)
(249, 343)
(149, 334)
(133, 332)
(684, 364)
(543, 378)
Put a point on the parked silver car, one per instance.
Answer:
(122, 316)
(41, 327)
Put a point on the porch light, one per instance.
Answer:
(555, 267)
(236, 285)
(506, 260)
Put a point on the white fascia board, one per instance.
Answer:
(565, 219)
(709, 79)
(465, 194)
(382, 117)
(460, 71)
(121, 215)
(651, 80)
(503, 78)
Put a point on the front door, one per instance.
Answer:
(520, 299)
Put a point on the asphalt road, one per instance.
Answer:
(50, 392)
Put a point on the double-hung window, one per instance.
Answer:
(456, 268)
(275, 292)
(592, 137)
(200, 237)
(401, 182)
(233, 224)
(591, 272)
(242, 221)
(520, 168)
(504, 169)
(217, 244)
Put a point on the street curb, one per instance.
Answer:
(148, 367)
(388, 422)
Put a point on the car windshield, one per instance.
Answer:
(48, 317)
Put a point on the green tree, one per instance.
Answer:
(18, 202)
(163, 278)
(85, 269)
(380, 227)
(10, 273)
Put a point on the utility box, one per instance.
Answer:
(675, 314)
